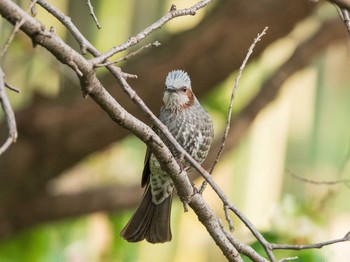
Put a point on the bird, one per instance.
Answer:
(192, 127)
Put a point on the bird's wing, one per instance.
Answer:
(146, 170)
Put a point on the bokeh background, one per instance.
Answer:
(71, 182)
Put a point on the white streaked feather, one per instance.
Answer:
(175, 100)
(178, 79)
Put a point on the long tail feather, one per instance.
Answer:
(150, 221)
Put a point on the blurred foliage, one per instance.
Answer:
(305, 130)
(46, 243)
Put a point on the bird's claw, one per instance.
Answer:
(180, 162)
(186, 201)
(195, 189)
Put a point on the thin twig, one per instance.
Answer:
(32, 8)
(158, 24)
(242, 248)
(311, 246)
(155, 44)
(92, 13)
(127, 75)
(5, 104)
(228, 218)
(316, 182)
(10, 39)
(15, 30)
(229, 111)
(84, 44)
(12, 88)
(9, 115)
(247, 223)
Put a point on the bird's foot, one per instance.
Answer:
(180, 162)
(185, 202)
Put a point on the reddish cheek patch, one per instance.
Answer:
(190, 102)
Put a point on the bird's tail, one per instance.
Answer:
(150, 221)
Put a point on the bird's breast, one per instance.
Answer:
(193, 130)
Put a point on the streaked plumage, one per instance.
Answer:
(192, 127)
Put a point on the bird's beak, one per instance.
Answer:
(170, 89)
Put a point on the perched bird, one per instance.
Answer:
(192, 127)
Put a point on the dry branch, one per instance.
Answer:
(9, 115)
(92, 13)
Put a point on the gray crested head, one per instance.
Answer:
(178, 92)
(177, 79)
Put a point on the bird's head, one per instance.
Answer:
(178, 92)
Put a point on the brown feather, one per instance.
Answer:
(146, 171)
(190, 101)
(150, 221)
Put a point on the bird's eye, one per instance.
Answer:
(183, 89)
